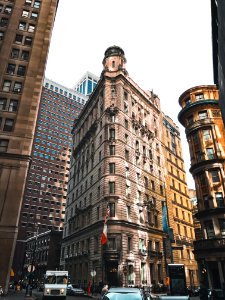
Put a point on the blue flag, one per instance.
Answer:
(164, 219)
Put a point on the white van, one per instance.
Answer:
(55, 284)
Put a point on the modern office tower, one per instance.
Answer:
(25, 32)
(86, 84)
(201, 117)
(180, 208)
(117, 159)
(218, 43)
(46, 186)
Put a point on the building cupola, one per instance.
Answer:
(114, 60)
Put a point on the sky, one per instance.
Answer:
(167, 45)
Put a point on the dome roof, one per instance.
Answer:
(113, 51)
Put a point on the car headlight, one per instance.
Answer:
(62, 291)
(48, 291)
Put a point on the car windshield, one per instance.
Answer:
(122, 296)
(52, 279)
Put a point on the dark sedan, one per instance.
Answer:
(74, 290)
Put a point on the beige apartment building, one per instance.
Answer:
(25, 31)
(201, 117)
(118, 161)
(180, 208)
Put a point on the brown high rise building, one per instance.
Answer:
(201, 117)
(46, 186)
(25, 31)
(119, 161)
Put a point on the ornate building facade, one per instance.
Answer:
(201, 117)
(118, 161)
(25, 32)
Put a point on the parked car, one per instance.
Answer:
(74, 290)
(124, 293)
(215, 294)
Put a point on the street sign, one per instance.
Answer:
(30, 268)
(93, 273)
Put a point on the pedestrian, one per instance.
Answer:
(105, 289)
(89, 289)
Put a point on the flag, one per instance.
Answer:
(104, 233)
(164, 219)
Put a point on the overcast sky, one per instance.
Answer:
(167, 45)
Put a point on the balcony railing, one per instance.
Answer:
(210, 244)
(155, 254)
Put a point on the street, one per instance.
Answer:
(38, 296)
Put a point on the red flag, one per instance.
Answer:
(104, 233)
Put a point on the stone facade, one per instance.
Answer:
(201, 117)
(118, 161)
(25, 30)
(180, 208)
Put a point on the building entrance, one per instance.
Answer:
(112, 273)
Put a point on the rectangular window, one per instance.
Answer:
(25, 13)
(128, 213)
(210, 153)
(206, 135)
(111, 187)
(222, 226)
(34, 15)
(24, 55)
(13, 104)
(209, 229)
(31, 28)
(3, 103)
(4, 22)
(215, 176)
(17, 87)
(219, 200)
(22, 26)
(37, 4)
(28, 41)
(112, 150)
(199, 97)
(4, 145)
(112, 168)
(18, 38)
(126, 154)
(21, 70)
(112, 211)
(202, 114)
(112, 133)
(129, 243)
(111, 243)
(8, 126)
(11, 69)
(15, 53)
(6, 86)
(1, 35)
